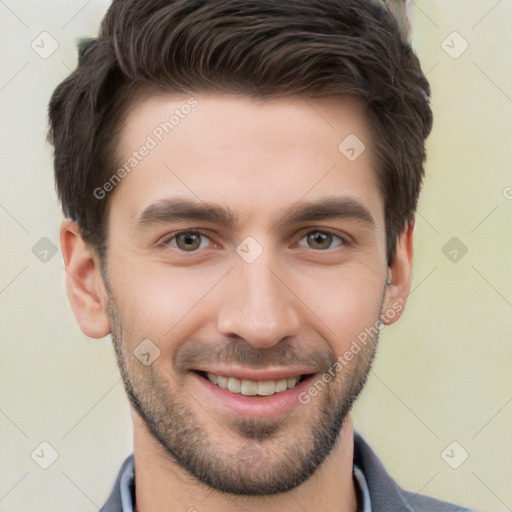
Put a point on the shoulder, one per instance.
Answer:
(385, 493)
(421, 503)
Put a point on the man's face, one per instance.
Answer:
(280, 265)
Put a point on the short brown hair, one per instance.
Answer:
(256, 48)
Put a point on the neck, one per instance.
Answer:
(160, 482)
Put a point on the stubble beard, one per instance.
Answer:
(268, 462)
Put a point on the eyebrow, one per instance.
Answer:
(169, 210)
(326, 208)
(331, 207)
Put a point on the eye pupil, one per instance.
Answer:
(188, 241)
(321, 240)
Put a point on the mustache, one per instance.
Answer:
(285, 354)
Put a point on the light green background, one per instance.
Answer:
(442, 374)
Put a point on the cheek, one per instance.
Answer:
(158, 302)
(347, 302)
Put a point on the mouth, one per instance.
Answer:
(253, 388)
(267, 393)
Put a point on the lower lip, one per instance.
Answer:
(277, 404)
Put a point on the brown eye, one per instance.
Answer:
(188, 241)
(320, 240)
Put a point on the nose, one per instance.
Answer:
(257, 304)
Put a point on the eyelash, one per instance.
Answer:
(168, 240)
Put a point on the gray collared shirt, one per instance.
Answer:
(369, 473)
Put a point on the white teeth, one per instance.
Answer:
(291, 381)
(249, 387)
(222, 381)
(281, 385)
(266, 387)
(234, 385)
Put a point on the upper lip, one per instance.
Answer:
(251, 374)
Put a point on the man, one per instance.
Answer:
(239, 180)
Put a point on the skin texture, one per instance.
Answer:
(299, 304)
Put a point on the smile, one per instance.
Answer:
(254, 393)
(249, 387)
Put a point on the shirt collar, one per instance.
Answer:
(365, 491)
(127, 485)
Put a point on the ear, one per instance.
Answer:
(84, 283)
(399, 277)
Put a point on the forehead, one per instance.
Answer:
(248, 153)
